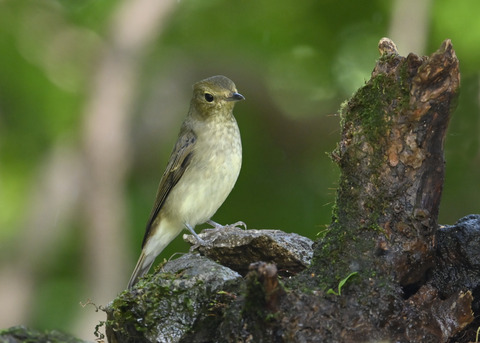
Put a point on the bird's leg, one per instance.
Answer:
(218, 226)
(199, 240)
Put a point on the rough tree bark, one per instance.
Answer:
(374, 273)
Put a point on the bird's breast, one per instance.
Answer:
(210, 176)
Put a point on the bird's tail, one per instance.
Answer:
(143, 265)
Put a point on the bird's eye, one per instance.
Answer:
(208, 97)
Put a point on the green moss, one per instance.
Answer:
(366, 122)
(152, 303)
(255, 297)
(370, 110)
(362, 154)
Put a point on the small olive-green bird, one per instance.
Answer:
(202, 170)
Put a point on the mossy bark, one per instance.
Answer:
(385, 217)
(392, 168)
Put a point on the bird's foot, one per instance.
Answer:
(195, 247)
(199, 242)
(217, 226)
(197, 237)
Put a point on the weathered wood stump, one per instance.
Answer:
(375, 270)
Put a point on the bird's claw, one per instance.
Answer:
(237, 225)
(217, 226)
(199, 242)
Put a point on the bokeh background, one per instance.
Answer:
(92, 94)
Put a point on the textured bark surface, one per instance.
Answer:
(21, 334)
(377, 272)
(391, 158)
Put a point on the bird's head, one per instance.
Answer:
(214, 95)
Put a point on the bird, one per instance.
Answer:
(201, 172)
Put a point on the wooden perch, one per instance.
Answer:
(371, 273)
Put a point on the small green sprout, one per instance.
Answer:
(341, 284)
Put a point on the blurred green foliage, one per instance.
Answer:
(295, 62)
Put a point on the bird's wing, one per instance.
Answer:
(178, 163)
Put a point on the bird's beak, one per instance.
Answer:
(235, 97)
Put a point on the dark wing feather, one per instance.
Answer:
(179, 161)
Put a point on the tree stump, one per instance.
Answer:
(374, 273)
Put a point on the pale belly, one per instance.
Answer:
(207, 182)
